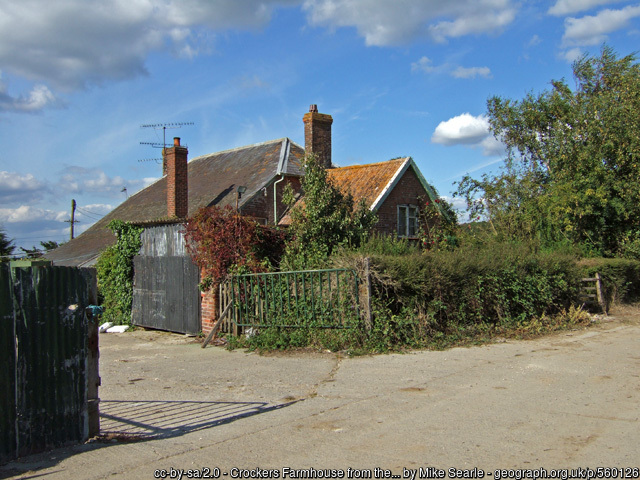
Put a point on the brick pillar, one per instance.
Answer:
(317, 135)
(209, 309)
(177, 180)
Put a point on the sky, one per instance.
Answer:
(78, 79)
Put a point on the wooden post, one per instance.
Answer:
(599, 294)
(368, 313)
(73, 217)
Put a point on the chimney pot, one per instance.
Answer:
(176, 141)
(313, 108)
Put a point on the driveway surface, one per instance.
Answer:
(565, 401)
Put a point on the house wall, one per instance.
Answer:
(408, 191)
(261, 205)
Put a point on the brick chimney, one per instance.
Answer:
(177, 183)
(317, 135)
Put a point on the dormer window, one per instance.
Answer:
(407, 221)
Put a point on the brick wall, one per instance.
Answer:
(408, 191)
(261, 205)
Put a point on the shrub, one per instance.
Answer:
(620, 277)
(219, 240)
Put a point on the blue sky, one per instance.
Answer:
(400, 77)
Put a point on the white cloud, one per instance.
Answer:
(383, 23)
(471, 72)
(70, 44)
(80, 180)
(468, 130)
(567, 7)
(65, 45)
(426, 65)
(593, 29)
(26, 213)
(573, 54)
(39, 98)
(462, 129)
(15, 187)
(535, 40)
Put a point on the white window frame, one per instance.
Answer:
(410, 213)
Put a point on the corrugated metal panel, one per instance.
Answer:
(7, 369)
(52, 332)
(163, 241)
(165, 294)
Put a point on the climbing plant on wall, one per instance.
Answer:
(115, 272)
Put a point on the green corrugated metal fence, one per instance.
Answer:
(46, 334)
(8, 412)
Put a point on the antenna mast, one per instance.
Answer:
(163, 145)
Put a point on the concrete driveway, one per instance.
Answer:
(565, 401)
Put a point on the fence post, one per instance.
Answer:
(599, 294)
(368, 313)
(93, 356)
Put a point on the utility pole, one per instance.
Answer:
(73, 216)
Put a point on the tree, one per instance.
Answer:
(6, 246)
(36, 252)
(572, 169)
(325, 219)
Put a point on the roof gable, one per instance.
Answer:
(373, 182)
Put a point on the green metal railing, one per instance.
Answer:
(310, 298)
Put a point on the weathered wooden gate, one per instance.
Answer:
(166, 295)
(311, 298)
(48, 364)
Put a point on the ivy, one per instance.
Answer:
(115, 272)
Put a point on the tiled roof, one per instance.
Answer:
(366, 182)
(370, 182)
(212, 181)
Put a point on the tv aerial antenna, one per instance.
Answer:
(163, 145)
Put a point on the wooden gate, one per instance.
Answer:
(48, 364)
(166, 294)
(308, 298)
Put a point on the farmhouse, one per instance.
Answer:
(252, 179)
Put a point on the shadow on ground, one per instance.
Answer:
(125, 421)
(146, 419)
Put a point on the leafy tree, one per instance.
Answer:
(6, 246)
(573, 160)
(438, 224)
(325, 219)
(36, 252)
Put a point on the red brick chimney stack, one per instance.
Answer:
(177, 182)
(317, 135)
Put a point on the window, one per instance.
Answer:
(407, 220)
